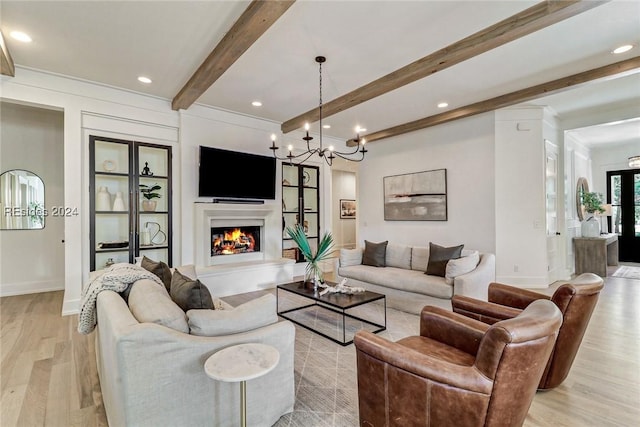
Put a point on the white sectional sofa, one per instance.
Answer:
(404, 282)
(151, 354)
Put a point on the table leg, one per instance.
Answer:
(243, 403)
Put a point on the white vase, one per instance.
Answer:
(590, 227)
(103, 199)
(118, 203)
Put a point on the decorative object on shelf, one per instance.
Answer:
(103, 199)
(327, 153)
(109, 263)
(634, 162)
(118, 203)
(419, 196)
(313, 272)
(113, 245)
(145, 170)
(158, 237)
(149, 193)
(109, 166)
(592, 205)
(145, 237)
(347, 209)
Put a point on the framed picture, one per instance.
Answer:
(419, 196)
(347, 209)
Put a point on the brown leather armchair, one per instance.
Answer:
(459, 372)
(575, 299)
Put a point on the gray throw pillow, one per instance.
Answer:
(189, 293)
(375, 254)
(439, 256)
(158, 268)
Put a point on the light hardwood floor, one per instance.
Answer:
(48, 375)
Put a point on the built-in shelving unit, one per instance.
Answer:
(121, 226)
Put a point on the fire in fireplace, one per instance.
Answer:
(235, 240)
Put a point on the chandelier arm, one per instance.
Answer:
(349, 158)
(344, 153)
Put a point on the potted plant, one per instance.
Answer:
(592, 204)
(149, 192)
(313, 271)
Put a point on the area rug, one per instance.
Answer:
(627, 272)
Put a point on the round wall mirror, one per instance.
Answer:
(581, 188)
(21, 200)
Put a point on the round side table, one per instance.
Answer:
(240, 363)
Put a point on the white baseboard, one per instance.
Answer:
(71, 307)
(23, 288)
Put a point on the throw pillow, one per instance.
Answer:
(463, 265)
(374, 253)
(252, 314)
(158, 268)
(189, 293)
(151, 303)
(439, 256)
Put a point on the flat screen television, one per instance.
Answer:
(236, 175)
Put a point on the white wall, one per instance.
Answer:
(32, 139)
(465, 149)
(611, 158)
(75, 98)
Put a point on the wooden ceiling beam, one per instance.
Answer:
(7, 66)
(253, 22)
(521, 24)
(620, 69)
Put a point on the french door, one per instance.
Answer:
(623, 193)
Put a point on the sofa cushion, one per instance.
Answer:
(419, 258)
(158, 268)
(374, 253)
(398, 256)
(245, 317)
(439, 256)
(151, 303)
(189, 293)
(401, 279)
(463, 265)
(350, 257)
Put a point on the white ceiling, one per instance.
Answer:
(113, 42)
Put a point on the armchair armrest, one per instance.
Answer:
(486, 312)
(512, 296)
(422, 365)
(452, 329)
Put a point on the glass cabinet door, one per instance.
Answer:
(300, 205)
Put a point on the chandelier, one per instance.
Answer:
(327, 153)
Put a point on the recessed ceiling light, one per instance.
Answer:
(623, 49)
(20, 36)
(143, 79)
(256, 104)
(443, 105)
(326, 126)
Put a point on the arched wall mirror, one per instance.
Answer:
(21, 200)
(581, 187)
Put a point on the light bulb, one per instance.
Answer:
(273, 137)
(331, 148)
(306, 127)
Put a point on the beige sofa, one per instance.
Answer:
(404, 282)
(151, 367)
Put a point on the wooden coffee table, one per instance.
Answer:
(334, 302)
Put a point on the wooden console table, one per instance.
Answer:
(593, 254)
